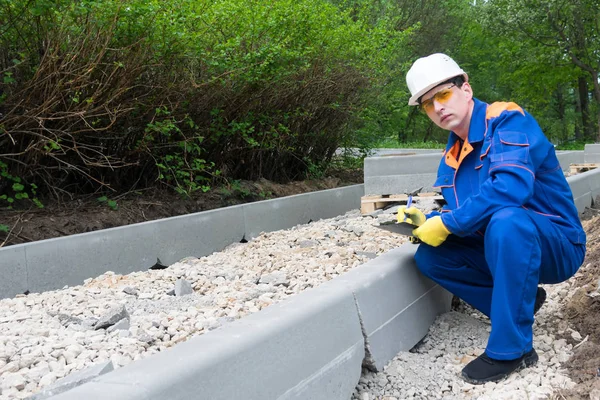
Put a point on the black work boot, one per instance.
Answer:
(485, 369)
(540, 298)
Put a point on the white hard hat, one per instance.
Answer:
(428, 72)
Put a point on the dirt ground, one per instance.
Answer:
(89, 214)
(582, 314)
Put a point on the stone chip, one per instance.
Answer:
(113, 316)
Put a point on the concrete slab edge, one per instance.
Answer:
(592, 153)
(312, 345)
(51, 264)
(395, 303)
(566, 158)
(585, 188)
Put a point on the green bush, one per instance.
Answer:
(118, 94)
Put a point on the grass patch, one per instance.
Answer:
(571, 146)
(393, 143)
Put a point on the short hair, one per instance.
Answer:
(457, 80)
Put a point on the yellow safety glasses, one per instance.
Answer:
(441, 97)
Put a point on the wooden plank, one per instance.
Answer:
(370, 197)
(384, 199)
(395, 198)
(367, 208)
(399, 197)
(369, 204)
(579, 168)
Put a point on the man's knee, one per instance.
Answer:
(509, 217)
(425, 259)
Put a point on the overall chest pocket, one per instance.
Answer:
(509, 146)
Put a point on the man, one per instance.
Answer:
(510, 222)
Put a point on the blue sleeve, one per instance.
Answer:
(433, 214)
(517, 148)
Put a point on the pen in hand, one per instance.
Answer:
(408, 205)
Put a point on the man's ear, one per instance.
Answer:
(467, 90)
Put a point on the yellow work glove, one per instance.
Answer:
(433, 231)
(412, 214)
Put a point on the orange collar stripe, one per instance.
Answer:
(495, 109)
(451, 158)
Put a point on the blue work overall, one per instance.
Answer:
(513, 222)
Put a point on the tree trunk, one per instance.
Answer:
(428, 132)
(585, 108)
(597, 97)
(560, 108)
(412, 113)
(578, 128)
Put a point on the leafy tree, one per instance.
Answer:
(569, 32)
(428, 26)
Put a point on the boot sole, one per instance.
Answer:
(526, 362)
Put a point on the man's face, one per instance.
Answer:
(449, 106)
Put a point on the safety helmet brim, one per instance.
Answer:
(414, 99)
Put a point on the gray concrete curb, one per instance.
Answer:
(396, 304)
(400, 174)
(585, 188)
(53, 263)
(592, 153)
(565, 158)
(310, 346)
